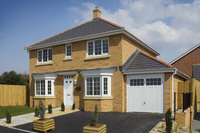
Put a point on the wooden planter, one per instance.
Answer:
(44, 125)
(99, 128)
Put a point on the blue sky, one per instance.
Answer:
(170, 27)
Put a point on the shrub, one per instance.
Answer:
(41, 110)
(168, 121)
(50, 109)
(94, 117)
(62, 107)
(36, 111)
(8, 117)
(73, 106)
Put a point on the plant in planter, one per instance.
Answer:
(94, 127)
(8, 117)
(62, 107)
(50, 109)
(43, 124)
(78, 88)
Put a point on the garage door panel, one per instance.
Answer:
(147, 97)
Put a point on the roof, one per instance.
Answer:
(94, 26)
(196, 72)
(184, 54)
(140, 61)
(91, 29)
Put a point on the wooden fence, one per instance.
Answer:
(12, 95)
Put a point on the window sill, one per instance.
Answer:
(67, 59)
(98, 98)
(97, 57)
(44, 63)
(46, 97)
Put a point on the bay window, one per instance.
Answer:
(44, 87)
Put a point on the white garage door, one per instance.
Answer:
(145, 93)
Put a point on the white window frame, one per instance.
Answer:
(47, 55)
(94, 47)
(46, 79)
(66, 51)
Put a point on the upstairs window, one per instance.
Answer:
(68, 50)
(45, 55)
(98, 47)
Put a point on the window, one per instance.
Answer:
(97, 86)
(44, 87)
(45, 55)
(153, 81)
(136, 82)
(68, 50)
(98, 47)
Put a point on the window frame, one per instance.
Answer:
(101, 86)
(66, 56)
(42, 61)
(46, 86)
(93, 41)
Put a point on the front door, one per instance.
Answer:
(68, 90)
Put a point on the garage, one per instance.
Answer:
(145, 93)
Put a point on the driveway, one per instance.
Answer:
(116, 122)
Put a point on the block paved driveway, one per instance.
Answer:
(116, 122)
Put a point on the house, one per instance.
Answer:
(189, 62)
(114, 70)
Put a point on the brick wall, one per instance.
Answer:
(167, 91)
(185, 63)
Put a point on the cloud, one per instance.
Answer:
(168, 27)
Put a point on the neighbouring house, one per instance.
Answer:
(112, 68)
(189, 62)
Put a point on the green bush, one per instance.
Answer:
(8, 117)
(168, 121)
(73, 106)
(41, 110)
(50, 109)
(62, 107)
(94, 117)
(36, 111)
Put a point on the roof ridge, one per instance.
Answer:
(59, 33)
(156, 59)
(111, 23)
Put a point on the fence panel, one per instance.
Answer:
(12, 95)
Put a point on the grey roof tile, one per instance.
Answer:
(196, 72)
(89, 28)
(140, 62)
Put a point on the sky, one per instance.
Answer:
(171, 27)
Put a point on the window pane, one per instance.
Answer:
(90, 48)
(68, 50)
(37, 87)
(98, 47)
(49, 87)
(105, 83)
(131, 82)
(89, 86)
(42, 87)
(96, 85)
(50, 54)
(159, 81)
(105, 46)
(45, 55)
(153, 81)
(39, 56)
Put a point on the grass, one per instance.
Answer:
(14, 111)
(198, 130)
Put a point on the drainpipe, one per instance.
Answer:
(175, 72)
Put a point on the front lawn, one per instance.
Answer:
(14, 111)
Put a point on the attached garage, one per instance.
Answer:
(145, 93)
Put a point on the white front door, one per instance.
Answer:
(68, 90)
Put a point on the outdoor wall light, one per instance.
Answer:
(75, 81)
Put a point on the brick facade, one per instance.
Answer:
(185, 63)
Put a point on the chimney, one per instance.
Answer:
(96, 12)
